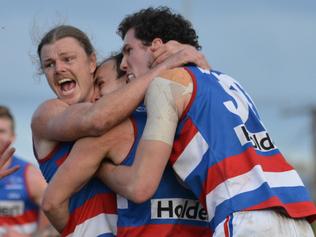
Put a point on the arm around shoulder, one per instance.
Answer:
(140, 181)
(57, 121)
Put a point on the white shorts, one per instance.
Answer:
(262, 223)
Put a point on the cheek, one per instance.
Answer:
(49, 76)
(50, 81)
(5, 136)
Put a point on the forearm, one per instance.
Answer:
(49, 231)
(44, 227)
(80, 165)
(55, 204)
(58, 216)
(120, 179)
(69, 178)
(137, 182)
(111, 109)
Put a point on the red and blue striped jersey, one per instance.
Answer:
(224, 154)
(93, 210)
(17, 209)
(172, 211)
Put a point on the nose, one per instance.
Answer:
(59, 66)
(123, 65)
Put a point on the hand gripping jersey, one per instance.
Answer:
(172, 211)
(92, 209)
(226, 157)
(16, 207)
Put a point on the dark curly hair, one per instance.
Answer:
(160, 23)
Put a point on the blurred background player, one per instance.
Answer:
(20, 192)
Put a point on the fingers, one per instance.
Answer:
(202, 62)
(174, 54)
(161, 58)
(7, 172)
(6, 155)
(190, 55)
(165, 51)
(5, 146)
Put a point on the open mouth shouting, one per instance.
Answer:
(67, 86)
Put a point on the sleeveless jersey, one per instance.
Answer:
(226, 157)
(16, 206)
(92, 209)
(172, 211)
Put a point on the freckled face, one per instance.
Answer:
(69, 70)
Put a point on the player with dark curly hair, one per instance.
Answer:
(150, 22)
(206, 126)
(21, 187)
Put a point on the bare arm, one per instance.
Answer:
(139, 181)
(81, 164)
(57, 121)
(6, 152)
(77, 169)
(36, 185)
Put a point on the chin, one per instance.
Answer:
(70, 101)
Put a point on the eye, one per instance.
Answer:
(99, 83)
(49, 65)
(69, 59)
(127, 50)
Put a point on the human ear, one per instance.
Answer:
(93, 63)
(155, 44)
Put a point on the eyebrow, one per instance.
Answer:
(46, 60)
(124, 47)
(61, 54)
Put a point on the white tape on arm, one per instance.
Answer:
(162, 114)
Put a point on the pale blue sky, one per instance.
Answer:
(269, 46)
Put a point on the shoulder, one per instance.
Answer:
(47, 107)
(46, 111)
(179, 75)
